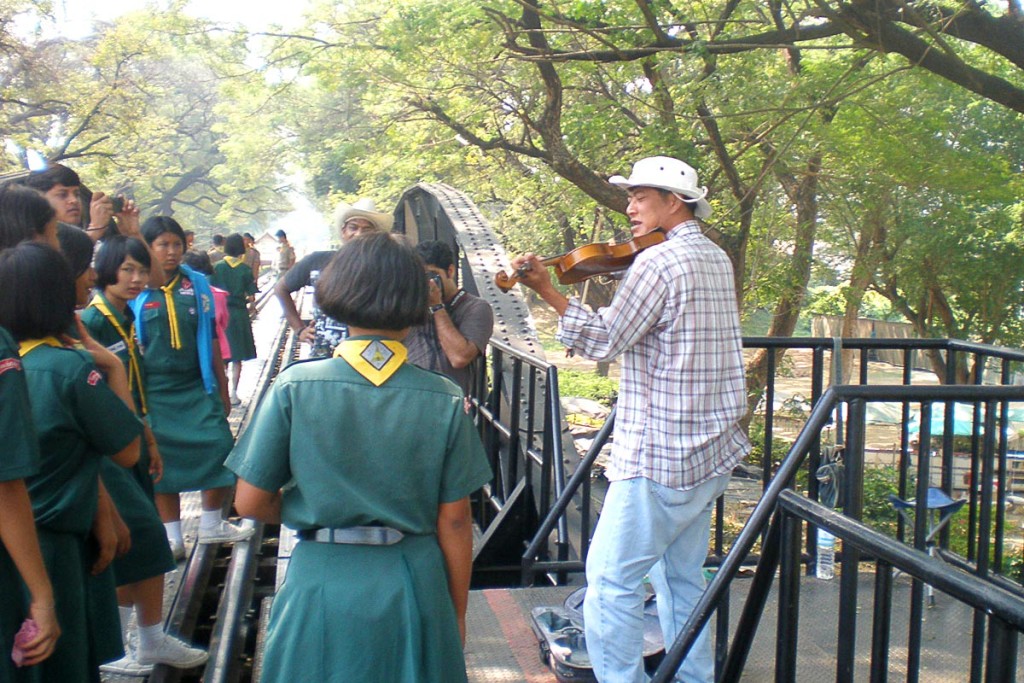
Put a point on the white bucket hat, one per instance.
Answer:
(363, 208)
(666, 173)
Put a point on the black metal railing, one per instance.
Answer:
(782, 513)
(524, 441)
(520, 422)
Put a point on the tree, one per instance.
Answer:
(142, 107)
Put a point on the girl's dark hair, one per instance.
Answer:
(37, 291)
(158, 225)
(376, 281)
(234, 245)
(76, 247)
(24, 213)
(113, 254)
(198, 261)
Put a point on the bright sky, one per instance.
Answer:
(76, 16)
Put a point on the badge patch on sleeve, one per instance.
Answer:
(374, 359)
(94, 378)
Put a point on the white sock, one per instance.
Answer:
(173, 530)
(126, 617)
(210, 519)
(150, 637)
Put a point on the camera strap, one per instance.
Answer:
(456, 299)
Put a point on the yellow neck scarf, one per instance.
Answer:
(29, 345)
(172, 313)
(128, 337)
(374, 359)
(234, 261)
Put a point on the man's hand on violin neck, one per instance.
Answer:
(531, 272)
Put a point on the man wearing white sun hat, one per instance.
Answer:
(674, 321)
(325, 333)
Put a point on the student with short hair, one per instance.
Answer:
(122, 273)
(80, 418)
(185, 379)
(233, 275)
(379, 492)
(26, 215)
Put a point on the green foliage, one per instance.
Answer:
(780, 446)
(589, 385)
(879, 482)
(832, 301)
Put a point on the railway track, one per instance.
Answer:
(222, 587)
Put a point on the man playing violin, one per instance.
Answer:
(674, 321)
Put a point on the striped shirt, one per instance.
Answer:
(682, 394)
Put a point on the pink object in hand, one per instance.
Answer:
(25, 635)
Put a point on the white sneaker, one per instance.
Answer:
(225, 532)
(177, 549)
(173, 652)
(235, 401)
(126, 666)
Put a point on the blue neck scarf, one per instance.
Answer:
(204, 335)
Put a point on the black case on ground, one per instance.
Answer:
(563, 645)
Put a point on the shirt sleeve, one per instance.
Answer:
(478, 325)
(465, 466)
(634, 310)
(262, 456)
(297, 276)
(106, 422)
(20, 457)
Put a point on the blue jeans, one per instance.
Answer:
(647, 529)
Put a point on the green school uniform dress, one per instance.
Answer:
(234, 276)
(19, 459)
(189, 424)
(130, 489)
(79, 421)
(348, 452)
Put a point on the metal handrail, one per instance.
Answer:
(758, 522)
(819, 345)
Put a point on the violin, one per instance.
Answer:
(590, 260)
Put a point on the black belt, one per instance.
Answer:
(355, 535)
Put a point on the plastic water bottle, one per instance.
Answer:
(826, 568)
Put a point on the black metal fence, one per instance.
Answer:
(542, 497)
(997, 603)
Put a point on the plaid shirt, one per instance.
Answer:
(675, 322)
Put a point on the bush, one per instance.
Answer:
(879, 482)
(780, 446)
(587, 384)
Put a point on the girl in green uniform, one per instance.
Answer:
(379, 459)
(186, 391)
(122, 272)
(20, 557)
(79, 419)
(231, 273)
(24, 215)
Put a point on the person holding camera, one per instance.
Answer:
(62, 187)
(460, 324)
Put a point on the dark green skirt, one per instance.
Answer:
(243, 347)
(86, 611)
(364, 614)
(150, 555)
(193, 436)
